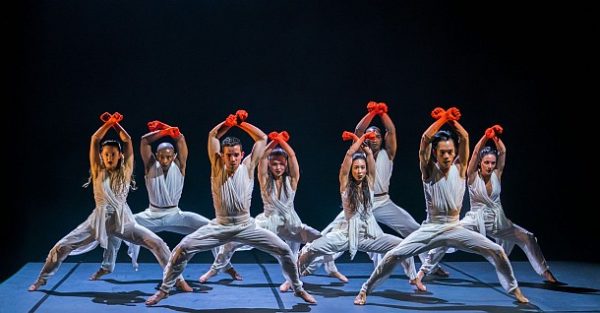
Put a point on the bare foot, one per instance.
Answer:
(305, 296)
(519, 295)
(361, 298)
(155, 298)
(339, 276)
(234, 274)
(420, 275)
(441, 272)
(204, 278)
(285, 286)
(99, 273)
(182, 285)
(549, 277)
(38, 283)
(417, 283)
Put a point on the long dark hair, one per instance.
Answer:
(358, 194)
(271, 181)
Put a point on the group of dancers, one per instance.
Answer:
(364, 179)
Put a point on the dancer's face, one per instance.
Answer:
(111, 156)
(445, 153)
(232, 157)
(374, 144)
(359, 169)
(277, 165)
(165, 157)
(487, 164)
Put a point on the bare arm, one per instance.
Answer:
(95, 160)
(128, 146)
(214, 145)
(425, 161)
(263, 164)
(390, 135)
(472, 168)
(501, 156)
(347, 162)
(364, 123)
(293, 166)
(370, 164)
(260, 142)
(463, 147)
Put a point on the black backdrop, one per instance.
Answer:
(308, 67)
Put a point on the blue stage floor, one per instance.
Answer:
(471, 287)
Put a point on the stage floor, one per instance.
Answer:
(471, 287)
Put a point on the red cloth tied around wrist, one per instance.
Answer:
(370, 135)
(493, 131)
(157, 125)
(372, 106)
(241, 116)
(453, 114)
(113, 118)
(273, 135)
(346, 135)
(382, 108)
(173, 132)
(284, 136)
(438, 113)
(498, 129)
(231, 120)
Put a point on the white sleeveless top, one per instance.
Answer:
(283, 206)
(232, 195)
(164, 191)
(384, 168)
(443, 198)
(362, 221)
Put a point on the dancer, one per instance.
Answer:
(486, 215)
(359, 231)
(111, 170)
(444, 186)
(232, 181)
(384, 209)
(278, 175)
(164, 174)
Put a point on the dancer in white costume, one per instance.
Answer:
(444, 186)
(359, 231)
(384, 209)
(111, 169)
(278, 175)
(232, 181)
(487, 215)
(164, 176)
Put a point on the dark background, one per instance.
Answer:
(308, 67)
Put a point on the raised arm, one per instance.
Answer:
(260, 142)
(472, 168)
(347, 162)
(263, 164)
(214, 144)
(425, 160)
(372, 168)
(95, 160)
(463, 147)
(380, 109)
(127, 146)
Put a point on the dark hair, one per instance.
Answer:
(442, 135)
(487, 150)
(111, 143)
(355, 194)
(230, 142)
(271, 181)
